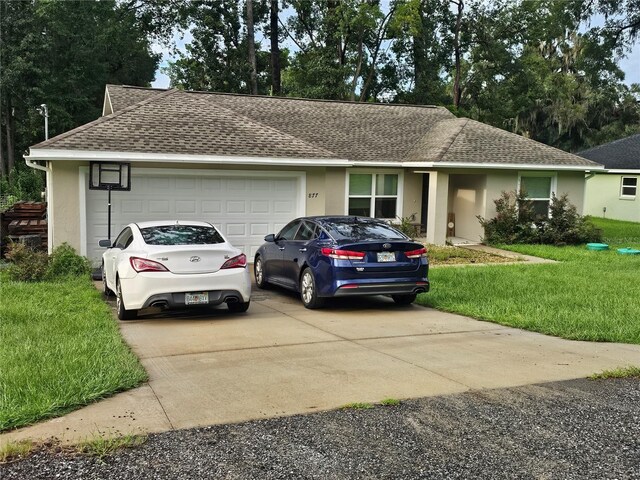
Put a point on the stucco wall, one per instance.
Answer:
(412, 201)
(64, 204)
(603, 190)
(334, 188)
(467, 201)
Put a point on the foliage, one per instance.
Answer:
(60, 350)
(62, 54)
(65, 262)
(624, 372)
(407, 227)
(516, 222)
(26, 184)
(100, 446)
(30, 265)
(27, 264)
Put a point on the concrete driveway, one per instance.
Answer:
(211, 367)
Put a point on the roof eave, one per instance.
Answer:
(503, 166)
(51, 154)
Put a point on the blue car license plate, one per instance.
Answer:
(199, 298)
(386, 257)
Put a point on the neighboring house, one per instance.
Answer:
(249, 164)
(615, 192)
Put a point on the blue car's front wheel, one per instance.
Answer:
(308, 290)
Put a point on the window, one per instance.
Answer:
(539, 189)
(629, 187)
(124, 239)
(306, 232)
(181, 235)
(289, 231)
(373, 195)
(358, 230)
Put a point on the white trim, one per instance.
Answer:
(49, 190)
(172, 172)
(94, 155)
(86, 155)
(107, 97)
(622, 186)
(629, 171)
(498, 166)
(373, 171)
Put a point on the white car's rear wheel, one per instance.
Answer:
(123, 313)
(238, 307)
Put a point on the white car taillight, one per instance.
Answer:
(342, 254)
(146, 265)
(421, 252)
(236, 262)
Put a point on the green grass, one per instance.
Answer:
(60, 349)
(590, 295)
(390, 402)
(15, 450)
(358, 406)
(101, 447)
(617, 231)
(617, 373)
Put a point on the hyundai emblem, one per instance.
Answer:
(194, 259)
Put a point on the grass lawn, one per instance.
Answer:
(590, 295)
(60, 348)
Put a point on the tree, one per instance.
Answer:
(62, 54)
(251, 44)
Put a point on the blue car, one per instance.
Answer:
(322, 257)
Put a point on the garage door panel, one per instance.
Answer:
(244, 209)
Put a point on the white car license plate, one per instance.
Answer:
(196, 298)
(386, 257)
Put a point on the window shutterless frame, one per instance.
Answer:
(553, 183)
(628, 187)
(372, 196)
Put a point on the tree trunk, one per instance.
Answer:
(356, 75)
(3, 165)
(275, 51)
(9, 142)
(456, 80)
(252, 48)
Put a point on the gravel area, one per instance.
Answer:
(579, 429)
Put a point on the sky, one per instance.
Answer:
(630, 65)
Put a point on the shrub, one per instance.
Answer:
(65, 262)
(516, 222)
(27, 264)
(406, 227)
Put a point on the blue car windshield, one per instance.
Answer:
(363, 231)
(181, 235)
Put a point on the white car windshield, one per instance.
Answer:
(181, 235)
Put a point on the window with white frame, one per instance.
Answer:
(629, 187)
(539, 188)
(373, 195)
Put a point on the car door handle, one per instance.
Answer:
(302, 250)
(281, 248)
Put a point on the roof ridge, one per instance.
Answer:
(137, 87)
(102, 119)
(320, 100)
(454, 136)
(274, 129)
(443, 148)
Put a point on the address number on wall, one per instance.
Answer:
(312, 195)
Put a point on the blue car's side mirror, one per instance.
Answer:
(270, 238)
(105, 243)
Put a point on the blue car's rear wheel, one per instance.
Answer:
(404, 299)
(308, 290)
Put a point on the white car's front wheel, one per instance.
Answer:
(123, 313)
(105, 289)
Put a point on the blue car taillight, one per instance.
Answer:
(342, 254)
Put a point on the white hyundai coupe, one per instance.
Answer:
(174, 264)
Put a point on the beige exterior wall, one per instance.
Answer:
(467, 200)
(412, 192)
(603, 191)
(335, 191)
(64, 204)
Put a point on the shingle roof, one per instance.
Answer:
(202, 123)
(122, 96)
(619, 154)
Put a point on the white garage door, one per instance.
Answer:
(243, 208)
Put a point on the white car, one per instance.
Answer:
(173, 264)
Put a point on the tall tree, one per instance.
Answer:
(274, 37)
(251, 47)
(62, 54)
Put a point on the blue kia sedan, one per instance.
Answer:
(323, 257)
